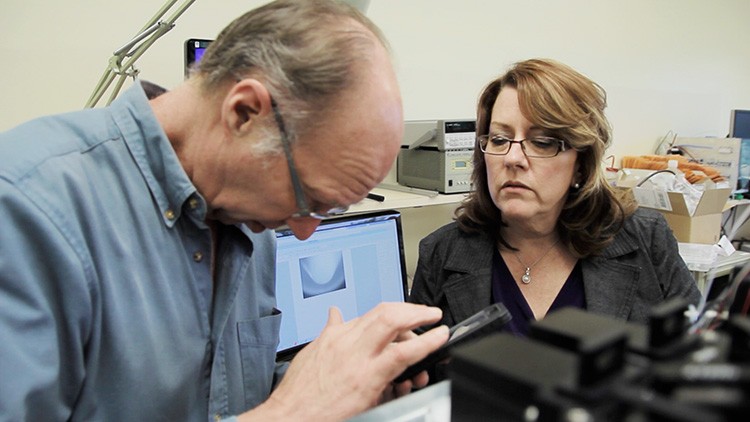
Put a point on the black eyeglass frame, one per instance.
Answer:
(483, 140)
(303, 209)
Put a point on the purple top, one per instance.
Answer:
(505, 290)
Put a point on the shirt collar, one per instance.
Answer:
(152, 152)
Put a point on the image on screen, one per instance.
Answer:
(322, 273)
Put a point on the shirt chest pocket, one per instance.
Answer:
(258, 340)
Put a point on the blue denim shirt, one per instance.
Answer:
(108, 310)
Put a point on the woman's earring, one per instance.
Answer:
(576, 185)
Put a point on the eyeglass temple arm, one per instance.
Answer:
(289, 160)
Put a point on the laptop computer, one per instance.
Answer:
(352, 262)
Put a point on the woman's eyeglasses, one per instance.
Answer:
(537, 147)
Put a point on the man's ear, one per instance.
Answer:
(246, 101)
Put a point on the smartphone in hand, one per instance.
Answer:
(486, 321)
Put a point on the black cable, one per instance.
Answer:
(652, 175)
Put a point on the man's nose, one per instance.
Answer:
(303, 227)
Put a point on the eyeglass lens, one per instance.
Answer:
(542, 147)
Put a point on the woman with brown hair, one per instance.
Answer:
(542, 229)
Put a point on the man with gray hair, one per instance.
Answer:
(136, 268)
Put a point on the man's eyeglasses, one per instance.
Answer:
(299, 195)
(536, 147)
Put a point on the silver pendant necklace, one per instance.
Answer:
(526, 277)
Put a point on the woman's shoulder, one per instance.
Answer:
(644, 219)
(647, 227)
(451, 247)
(644, 231)
(444, 234)
(451, 234)
(448, 230)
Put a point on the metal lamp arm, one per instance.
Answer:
(133, 50)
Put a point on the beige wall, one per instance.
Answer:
(678, 65)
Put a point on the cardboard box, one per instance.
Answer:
(702, 226)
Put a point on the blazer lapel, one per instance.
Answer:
(609, 284)
(468, 288)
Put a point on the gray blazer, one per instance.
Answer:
(639, 269)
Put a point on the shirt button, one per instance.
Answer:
(169, 214)
(197, 256)
(193, 203)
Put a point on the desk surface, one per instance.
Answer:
(396, 196)
(723, 265)
(431, 404)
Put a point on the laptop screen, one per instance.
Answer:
(352, 262)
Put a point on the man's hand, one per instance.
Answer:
(351, 366)
(395, 390)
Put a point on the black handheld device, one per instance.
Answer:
(486, 321)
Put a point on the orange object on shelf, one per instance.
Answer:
(659, 162)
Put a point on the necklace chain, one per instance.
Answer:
(526, 277)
